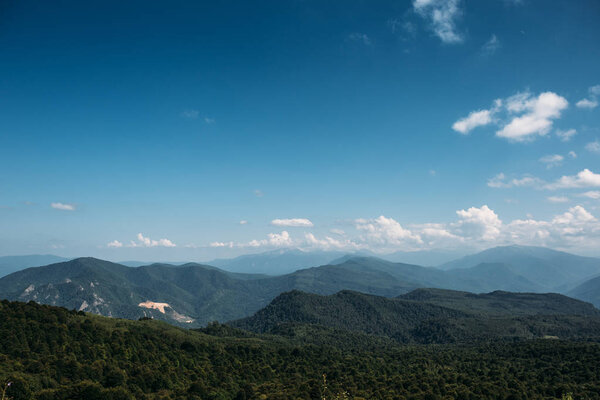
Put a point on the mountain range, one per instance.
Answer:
(195, 294)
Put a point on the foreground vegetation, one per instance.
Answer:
(52, 353)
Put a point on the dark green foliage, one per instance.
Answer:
(52, 353)
(432, 315)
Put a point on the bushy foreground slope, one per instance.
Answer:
(52, 353)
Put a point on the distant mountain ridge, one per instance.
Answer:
(195, 294)
(550, 269)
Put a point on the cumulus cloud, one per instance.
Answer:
(292, 222)
(593, 147)
(143, 241)
(441, 16)
(583, 179)
(565, 136)
(592, 100)
(480, 223)
(587, 103)
(387, 232)
(474, 227)
(115, 244)
(472, 121)
(329, 243)
(63, 206)
(524, 116)
(537, 117)
(572, 154)
(282, 239)
(221, 244)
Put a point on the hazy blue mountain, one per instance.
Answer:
(276, 262)
(429, 316)
(552, 270)
(426, 257)
(10, 264)
(588, 291)
(487, 277)
(134, 263)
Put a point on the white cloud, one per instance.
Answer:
(472, 121)
(592, 101)
(337, 231)
(525, 116)
(592, 194)
(587, 103)
(115, 243)
(387, 232)
(537, 118)
(293, 222)
(442, 16)
(594, 147)
(572, 154)
(63, 206)
(209, 121)
(583, 179)
(565, 136)
(282, 239)
(552, 160)
(480, 223)
(143, 241)
(500, 181)
(360, 37)
(221, 244)
(243, 222)
(328, 243)
(258, 193)
(490, 46)
(475, 227)
(557, 199)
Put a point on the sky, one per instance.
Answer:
(188, 130)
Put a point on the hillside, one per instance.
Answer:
(52, 353)
(549, 269)
(426, 316)
(588, 291)
(191, 294)
(504, 303)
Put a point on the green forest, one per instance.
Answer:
(48, 353)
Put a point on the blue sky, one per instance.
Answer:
(231, 127)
